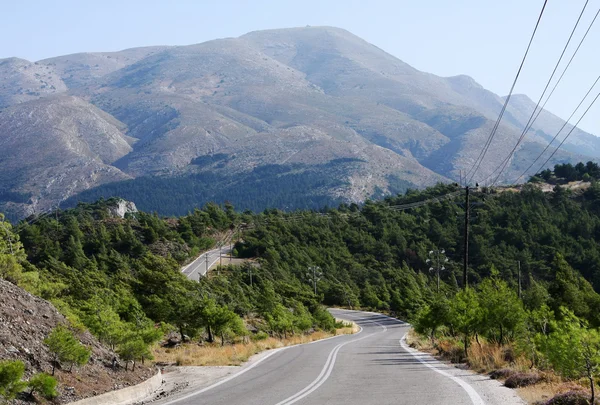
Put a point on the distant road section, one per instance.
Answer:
(205, 262)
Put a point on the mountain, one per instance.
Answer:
(54, 146)
(317, 107)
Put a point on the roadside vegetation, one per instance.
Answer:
(240, 350)
(120, 278)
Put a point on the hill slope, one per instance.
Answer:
(26, 320)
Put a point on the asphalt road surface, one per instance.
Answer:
(372, 367)
(199, 267)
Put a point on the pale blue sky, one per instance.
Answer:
(481, 38)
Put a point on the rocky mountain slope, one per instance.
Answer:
(296, 98)
(26, 320)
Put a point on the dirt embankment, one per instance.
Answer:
(26, 320)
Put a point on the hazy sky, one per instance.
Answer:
(481, 38)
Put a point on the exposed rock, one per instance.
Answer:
(121, 208)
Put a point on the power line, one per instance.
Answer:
(401, 207)
(536, 113)
(559, 131)
(485, 148)
(572, 129)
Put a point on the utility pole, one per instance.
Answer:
(519, 276)
(220, 253)
(438, 258)
(314, 275)
(466, 242)
(206, 257)
(250, 273)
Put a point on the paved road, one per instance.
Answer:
(372, 367)
(198, 267)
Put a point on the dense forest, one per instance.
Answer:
(532, 256)
(120, 278)
(286, 187)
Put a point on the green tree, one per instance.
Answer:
(43, 384)
(573, 349)
(66, 348)
(280, 320)
(503, 312)
(133, 349)
(465, 314)
(216, 319)
(431, 317)
(11, 372)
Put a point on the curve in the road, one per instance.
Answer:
(245, 370)
(325, 373)
(309, 387)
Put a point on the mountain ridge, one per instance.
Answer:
(301, 96)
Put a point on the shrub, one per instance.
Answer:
(66, 348)
(519, 380)
(570, 398)
(502, 373)
(260, 335)
(11, 372)
(43, 384)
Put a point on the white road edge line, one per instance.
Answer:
(231, 377)
(473, 395)
(326, 371)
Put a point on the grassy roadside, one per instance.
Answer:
(536, 387)
(194, 354)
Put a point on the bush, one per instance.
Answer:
(502, 374)
(324, 319)
(11, 372)
(43, 384)
(571, 398)
(450, 350)
(260, 335)
(519, 380)
(66, 348)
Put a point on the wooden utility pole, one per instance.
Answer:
(466, 242)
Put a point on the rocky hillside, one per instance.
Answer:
(26, 320)
(302, 99)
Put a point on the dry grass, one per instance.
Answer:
(193, 354)
(488, 357)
